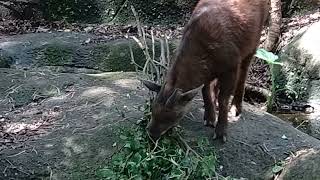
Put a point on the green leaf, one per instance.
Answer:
(123, 137)
(276, 169)
(208, 166)
(269, 57)
(106, 173)
(127, 145)
(137, 157)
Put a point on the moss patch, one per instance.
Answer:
(54, 55)
(5, 61)
(110, 56)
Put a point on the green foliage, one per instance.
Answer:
(5, 62)
(269, 57)
(71, 10)
(278, 167)
(141, 158)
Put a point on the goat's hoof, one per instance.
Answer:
(208, 123)
(223, 137)
(214, 135)
(235, 111)
(221, 133)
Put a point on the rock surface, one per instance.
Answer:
(298, 80)
(59, 113)
(71, 49)
(64, 129)
(304, 166)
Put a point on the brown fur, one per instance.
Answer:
(217, 44)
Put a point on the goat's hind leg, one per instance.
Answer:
(209, 105)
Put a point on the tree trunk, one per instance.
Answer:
(275, 21)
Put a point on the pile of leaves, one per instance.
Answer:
(168, 158)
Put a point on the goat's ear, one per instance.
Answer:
(179, 98)
(174, 98)
(189, 95)
(151, 86)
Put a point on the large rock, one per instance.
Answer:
(72, 50)
(305, 165)
(298, 80)
(78, 115)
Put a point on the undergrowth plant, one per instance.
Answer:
(169, 158)
(271, 60)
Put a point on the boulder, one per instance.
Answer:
(77, 115)
(305, 165)
(72, 50)
(298, 79)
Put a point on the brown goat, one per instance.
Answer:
(216, 49)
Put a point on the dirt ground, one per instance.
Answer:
(60, 125)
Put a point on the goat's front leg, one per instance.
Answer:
(226, 89)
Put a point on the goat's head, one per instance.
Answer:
(168, 108)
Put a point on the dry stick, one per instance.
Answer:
(163, 60)
(143, 45)
(163, 56)
(143, 48)
(51, 174)
(187, 147)
(153, 46)
(137, 20)
(136, 66)
(17, 154)
(301, 123)
(168, 50)
(153, 57)
(124, 2)
(146, 51)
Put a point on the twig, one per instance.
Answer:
(187, 147)
(137, 20)
(242, 142)
(5, 169)
(34, 149)
(123, 3)
(51, 174)
(9, 162)
(168, 50)
(155, 146)
(133, 60)
(301, 123)
(17, 154)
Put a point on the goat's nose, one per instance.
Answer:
(153, 133)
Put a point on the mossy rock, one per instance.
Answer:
(298, 79)
(70, 50)
(5, 61)
(53, 55)
(304, 166)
